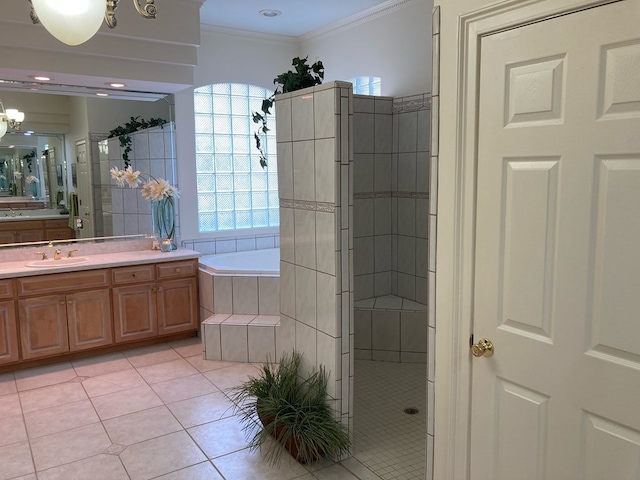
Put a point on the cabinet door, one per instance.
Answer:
(30, 236)
(134, 312)
(7, 237)
(8, 333)
(43, 326)
(177, 306)
(89, 318)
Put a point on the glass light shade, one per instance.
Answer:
(71, 21)
(3, 126)
(14, 114)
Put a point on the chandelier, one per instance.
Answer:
(9, 118)
(75, 21)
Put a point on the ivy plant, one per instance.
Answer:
(304, 76)
(123, 132)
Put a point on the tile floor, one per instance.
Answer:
(156, 412)
(386, 440)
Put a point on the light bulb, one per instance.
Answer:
(71, 21)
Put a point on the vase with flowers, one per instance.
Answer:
(162, 196)
(33, 185)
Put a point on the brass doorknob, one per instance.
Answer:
(484, 348)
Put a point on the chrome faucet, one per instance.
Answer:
(57, 255)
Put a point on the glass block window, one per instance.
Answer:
(234, 192)
(367, 85)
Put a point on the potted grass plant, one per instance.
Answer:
(293, 410)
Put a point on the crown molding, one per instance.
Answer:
(356, 19)
(235, 32)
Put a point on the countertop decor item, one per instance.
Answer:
(279, 403)
(305, 76)
(162, 196)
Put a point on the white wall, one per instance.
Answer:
(394, 44)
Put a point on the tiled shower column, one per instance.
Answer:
(315, 170)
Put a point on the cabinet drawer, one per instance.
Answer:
(6, 288)
(186, 268)
(62, 282)
(57, 223)
(137, 273)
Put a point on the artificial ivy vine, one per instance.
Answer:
(123, 132)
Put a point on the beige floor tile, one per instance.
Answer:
(143, 356)
(166, 371)
(113, 382)
(44, 376)
(69, 446)
(125, 402)
(232, 376)
(7, 384)
(200, 471)
(358, 469)
(46, 397)
(187, 347)
(200, 410)
(60, 418)
(161, 455)
(15, 460)
(140, 426)
(12, 430)
(31, 476)
(182, 388)
(10, 405)
(220, 437)
(101, 365)
(100, 467)
(203, 365)
(246, 464)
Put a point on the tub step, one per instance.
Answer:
(240, 338)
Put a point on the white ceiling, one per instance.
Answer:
(298, 16)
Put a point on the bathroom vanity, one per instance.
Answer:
(103, 303)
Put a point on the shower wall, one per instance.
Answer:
(315, 171)
(391, 194)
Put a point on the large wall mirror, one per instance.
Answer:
(59, 145)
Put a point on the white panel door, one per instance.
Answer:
(85, 195)
(557, 253)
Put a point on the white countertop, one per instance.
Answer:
(24, 217)
(106, 260)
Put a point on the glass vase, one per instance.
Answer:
(163, 215)
(33, 187)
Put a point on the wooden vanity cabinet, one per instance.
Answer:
(19, 231)
(76, 317)
(155, 300)
(8, 332)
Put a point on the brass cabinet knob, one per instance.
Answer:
(178, 270)
(69, 301)
(484, 348)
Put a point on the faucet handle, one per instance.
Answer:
(44, 255)
(70, 254)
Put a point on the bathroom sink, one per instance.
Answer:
(63, 262)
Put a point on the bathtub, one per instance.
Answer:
(250, 262)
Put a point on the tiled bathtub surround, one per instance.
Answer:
(125, 211)
(228, 244)
(315, 166)
(240, 338)
(240, 294)
(391, 192)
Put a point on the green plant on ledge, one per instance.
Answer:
(294, 411)
(123, 132)
(305, 75)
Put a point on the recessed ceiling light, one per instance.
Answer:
(116, 85)
(102, 94)
(41, 78)
(270, 13)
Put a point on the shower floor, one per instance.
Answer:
(389, 442)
